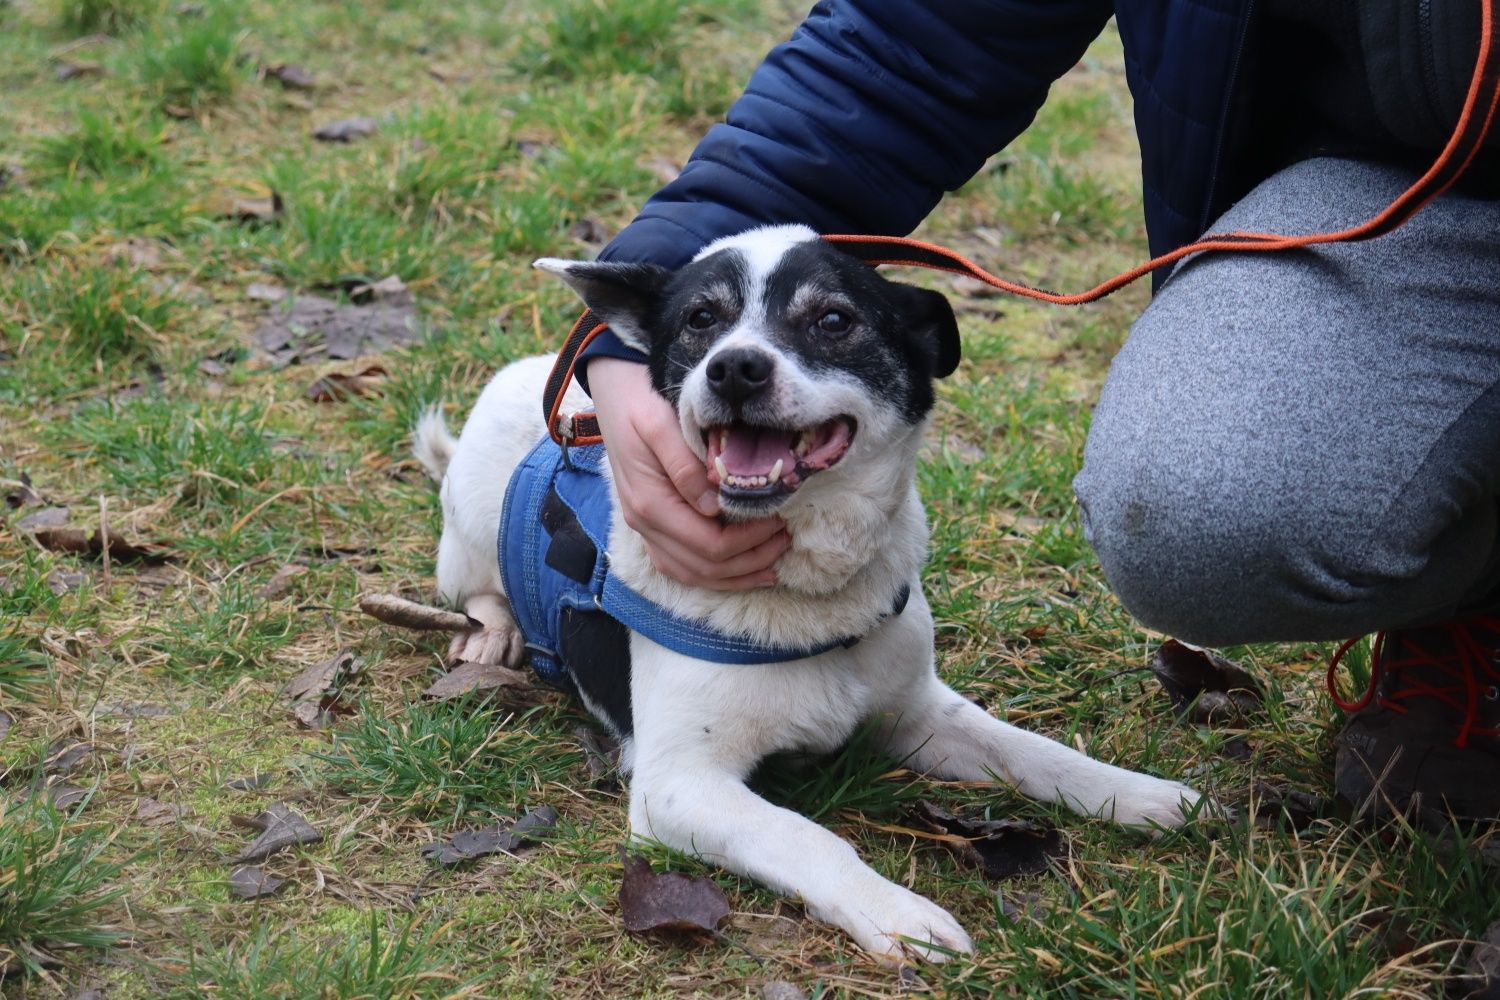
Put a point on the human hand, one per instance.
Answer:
(664, 490)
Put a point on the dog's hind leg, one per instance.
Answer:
(711, 813)
(939, 732)
(468, 576)
(499, 641)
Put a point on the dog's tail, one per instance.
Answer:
(432, 444)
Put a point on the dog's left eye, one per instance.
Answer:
(701, 319)
(834, 321)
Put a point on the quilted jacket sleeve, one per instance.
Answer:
(863, 119)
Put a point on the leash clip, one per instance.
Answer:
(565, 437)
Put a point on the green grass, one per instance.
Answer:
(55, 887)
(501, 126)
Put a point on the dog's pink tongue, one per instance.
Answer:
(752, 451)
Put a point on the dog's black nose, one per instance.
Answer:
(739, 373)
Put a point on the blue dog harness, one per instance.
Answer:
(554, 532)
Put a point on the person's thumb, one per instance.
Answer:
(689, 479)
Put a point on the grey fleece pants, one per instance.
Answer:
(1306, 445)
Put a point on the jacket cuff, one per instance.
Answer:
(606, 345)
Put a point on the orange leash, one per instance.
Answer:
(1467, 139)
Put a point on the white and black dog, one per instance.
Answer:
(804, 381)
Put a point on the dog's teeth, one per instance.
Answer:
(723, 439)
(775, 475)
(721, 468)
(804, 445)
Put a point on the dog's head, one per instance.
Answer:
(784, 357)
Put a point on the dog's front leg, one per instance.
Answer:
(713, 815)
(941, 733)
(498, 640)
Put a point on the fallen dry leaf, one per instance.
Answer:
(64, 756)
(780, 989)
(20, 493)
(292, 77)
(135, 710)
(258, 292)
(280, 582)
(320, 713)
(1483, 979)
(467, 677)
(321, 678)
(6, 721)
(248, 882)
(345, 130)
(255, 782)
(395, 610)
(280, 828)
(665, 170)
(1288, 808)
(257, 211)
(589, 230)
(154, 813)
(601, 755)
(137, 251)
(81, 541)
(1000, 848)
(47, 517)
(63, 581)
(1204, 686)
(390, 289)
(76, 70)
(310, 326)
(508, 836)
(336, 387)
(668, 901)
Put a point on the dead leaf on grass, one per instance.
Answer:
(280, 582)
(249, 882)
(337, 387)
(589, 230)
(63, 581)
(390, 289)
(666, 170)
(154, 813)
(137, 251)
(280, 828)
(321, 713)
(60, 794)
(76, 70)
(6, 721)
(20, 493)
(320, 678)
(310, 326)
(1203, 686)
(345, 130)
(1000, 848)
(135, 710)
(258, 292)
(508, 837)
(255, 782)
(257, 211)
(399, 611)
(601, 755)
(1288, 808)
(83, 542)
(64, 756)
(668, 901)
(47, 517)
(1483, 979)
(292, 77)
(780, 989)
(468, 677)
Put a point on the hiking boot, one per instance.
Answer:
(1424, 739)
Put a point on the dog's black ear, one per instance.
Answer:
(622, 295)
(932, 325)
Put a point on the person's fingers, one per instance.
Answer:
(685, 470)
(689, 564)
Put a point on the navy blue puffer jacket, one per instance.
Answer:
(875, 108)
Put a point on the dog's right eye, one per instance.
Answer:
(702, 319)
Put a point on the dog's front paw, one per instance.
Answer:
(1155, 802)
(496, 645)
(896, 925)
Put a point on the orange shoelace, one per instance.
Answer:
(1469, 664)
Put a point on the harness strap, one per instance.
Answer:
(1467, 139)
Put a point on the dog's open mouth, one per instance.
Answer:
(752, 463)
